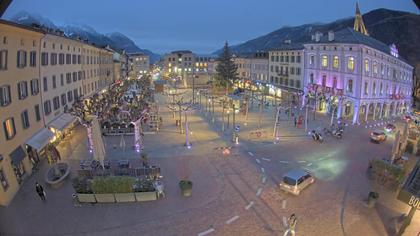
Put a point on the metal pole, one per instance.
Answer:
(275, 122)
(228, 116)
(173, 102)
(180, 119)
(315, 103)
(260, 113)
(187, 137)
(233, 118)
(306, 118)
(212, 107)
(223, 116)
(193, 89)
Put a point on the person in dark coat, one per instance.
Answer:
(40, 190)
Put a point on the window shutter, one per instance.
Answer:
(1, 96)
(18, 57)
(19, 90)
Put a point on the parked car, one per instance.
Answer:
(377, 136)
(390, 128)
(296, 180)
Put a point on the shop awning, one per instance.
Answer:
(62, 122)
(39, 140)
(17, 155)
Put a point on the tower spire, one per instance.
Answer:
(358, 22)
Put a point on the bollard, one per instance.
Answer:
(76, 202)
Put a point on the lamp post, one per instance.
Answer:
(223, 115)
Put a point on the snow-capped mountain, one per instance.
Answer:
(116, 40)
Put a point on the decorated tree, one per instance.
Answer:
(226, 69)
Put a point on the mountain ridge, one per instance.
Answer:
(116, 40)
(400, 29)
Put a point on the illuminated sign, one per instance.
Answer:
(393, 49)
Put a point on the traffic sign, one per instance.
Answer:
(237, 128)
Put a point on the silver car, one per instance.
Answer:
(296, 180)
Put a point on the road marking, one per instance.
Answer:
(231, 220)
(309, 164)
(251, 154)
(206, 232)
(301, 161)
(266, 159)
(259, 192)
(283, 204)
(249, 205)
(264, 179)
(285, 162)
(284, 221)
(258, 161)
(262, 170)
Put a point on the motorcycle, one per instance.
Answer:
(317, 136)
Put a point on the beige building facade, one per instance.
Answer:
(140, 63)
(20, 104)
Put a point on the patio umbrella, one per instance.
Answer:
(122, 143)
(396, 146)
(98, 143)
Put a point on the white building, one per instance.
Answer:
(140, 63)
(356, 76)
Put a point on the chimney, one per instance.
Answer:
(330, 35)
(318, 36)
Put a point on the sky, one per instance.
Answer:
(198, 25)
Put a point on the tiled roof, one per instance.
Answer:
(288, 46)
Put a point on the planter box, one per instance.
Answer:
(145, 196)
(125, 197)
(86, 197)
(105, 197)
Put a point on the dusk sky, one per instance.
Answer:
(201, 26)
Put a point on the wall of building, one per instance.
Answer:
(13, 39)
(286, 69)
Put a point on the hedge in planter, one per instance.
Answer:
(186, 187)
(113, 184)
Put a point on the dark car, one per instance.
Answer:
(390, 128)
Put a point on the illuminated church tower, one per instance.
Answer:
(358, 22)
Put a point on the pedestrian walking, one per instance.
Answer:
(40, 190)
(295, 121)
(291, 225)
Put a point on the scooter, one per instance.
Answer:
(317, 136)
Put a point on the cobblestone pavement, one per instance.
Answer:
(233, 194)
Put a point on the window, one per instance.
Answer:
(380, 89)
(34, 87)
(3, 59)
(298, 61)
(69, 96)
(297, 83)
(277, 58)
(277, 69)
(350, 85)
(79, 75)
(281, 58)
(79, 59)
(32, 59)
(45, 80)
(74, 61)
(382, 69)
(61, 80)
(47, 107)
(272, 59)
(297, 71)
(68, 78)
(324, 80)
(366, 88)
(74, 76)
(63, 99)
(44, 59)
(37, 113)
(21, 59)
(271, 68)
(334, 83)
(350, 63)
(291, 83)
(324, 61)
(5, 98)
(54, 82)
(292, 70)
(374, 88)
(3, 180)
(366, 65)
(56, 103)
(61, 58)
(311, 60)
(22, 87)
(68, 58)
(53, 59)
(75, 94)
(311, 78)
(292, 59)
(375, 68)
(9, 128)
(286, 58)
(335, 62)
(25, 119)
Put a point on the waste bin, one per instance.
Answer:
(373, 197)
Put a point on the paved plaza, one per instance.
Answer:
(235, 194)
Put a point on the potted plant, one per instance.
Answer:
(83, 190)
(372, 198)
(186, 187)
(144, 190)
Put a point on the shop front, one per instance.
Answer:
(61, 127)
(20, 168)
(36, 145)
